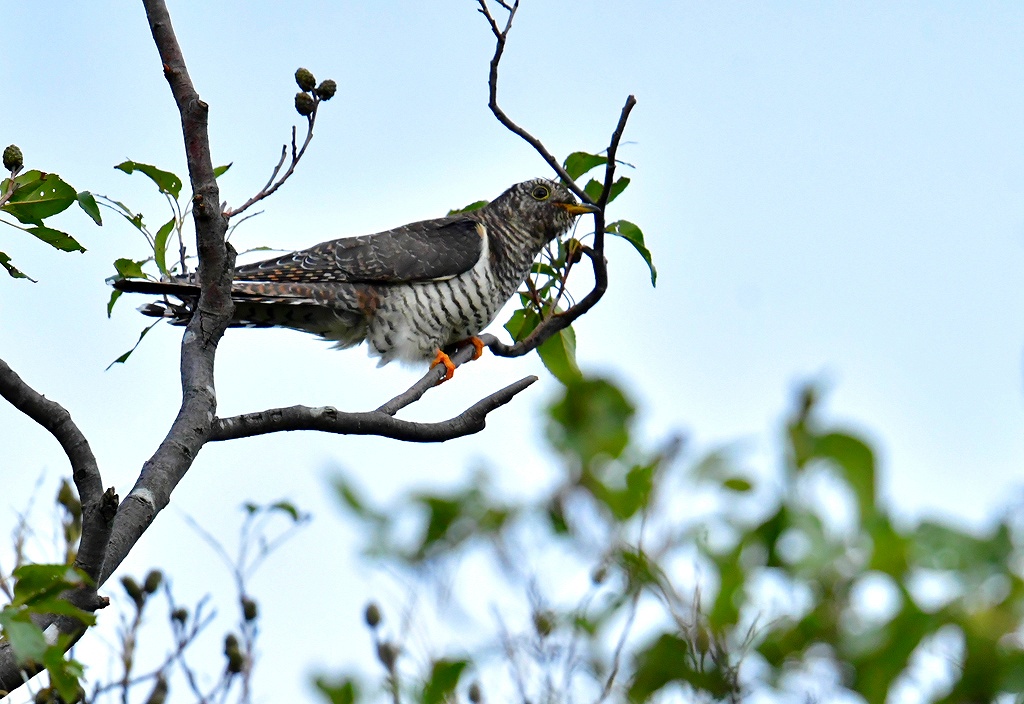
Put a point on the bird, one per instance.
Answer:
(411, 292)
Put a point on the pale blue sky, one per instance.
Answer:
(830, 190)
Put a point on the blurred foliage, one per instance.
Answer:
(648, 573)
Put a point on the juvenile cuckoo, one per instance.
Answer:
(411, 292)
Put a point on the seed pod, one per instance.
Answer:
(13, 158)
(372, 615)
(326, 89)
(305, 79)
(304, 103)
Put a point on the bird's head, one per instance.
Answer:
(543, 208)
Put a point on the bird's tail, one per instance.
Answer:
(341, 316)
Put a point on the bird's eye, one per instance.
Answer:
(541, 192)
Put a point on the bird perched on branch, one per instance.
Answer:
(411, 292)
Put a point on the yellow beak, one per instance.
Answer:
(578, 208)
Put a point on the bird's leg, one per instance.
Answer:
(444, 359)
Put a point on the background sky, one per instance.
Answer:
(830, 191)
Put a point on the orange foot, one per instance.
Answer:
(478, 345)
(444, 359)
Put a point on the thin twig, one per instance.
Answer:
(296, 156)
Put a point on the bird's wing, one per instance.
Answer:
(420, 251)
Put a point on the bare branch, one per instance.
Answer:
(296, 156)
(502, 36)
(330, 420)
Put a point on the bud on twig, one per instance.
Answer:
(153, 580)
(326, 89)
(13, 159)
(305, 79)
(134, 591)
(250, 610)
(372, 615)
(304, 103)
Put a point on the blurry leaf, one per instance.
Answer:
(38, 197)
(857, 463)
(34, 582)
(160, 245)
(632, 234)
(219, 171)
(165, 180)
(87, 202)
(737, 484)
(889, 553)
(640, 570)
(286, 507)
(732, 580)
(442, 512)
(56, 239)
(24, 636)
(340, 691)
(476, 205)
(124, 357)
(351, 498)
(558, 353)
(669, 659)
(444, 678)
(15, 272)
(556, 516)
(876, 670)
(942, 547)
(592, 418)
(579, 163)
(64, 673)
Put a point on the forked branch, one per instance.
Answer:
(559, 321)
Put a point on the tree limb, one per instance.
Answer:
(331, 420)
(191, 428)
(558, 321)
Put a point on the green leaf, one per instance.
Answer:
(219, 171)
(37, 581)
(124, 357)
(593, 418)
(38, 197)
(24, 636)
(340, 691)
(64, 674)
(160, 245)
(593, 189)
(444, 678)
(88, 203)
(165, 180)
(632, 234)
(129, 269)
(558, 353)
(522, 323)
(15, 272)
(475, 205)
(56, 239)
(579, 163)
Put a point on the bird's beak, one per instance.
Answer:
(578, 208)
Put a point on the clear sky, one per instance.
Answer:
(831, 191)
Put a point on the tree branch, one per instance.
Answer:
(331, 420)
(191, 428)
(96, 514)
(558, 321)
